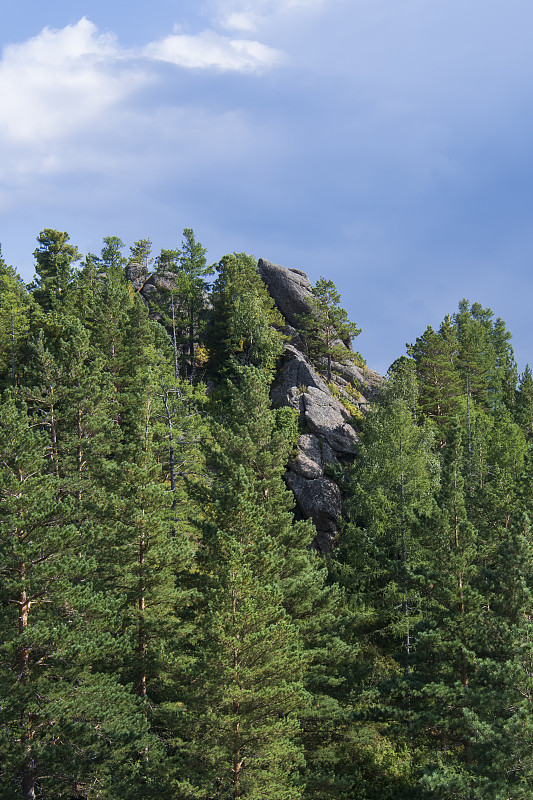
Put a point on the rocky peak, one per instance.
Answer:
(291, 289)
(326, 411)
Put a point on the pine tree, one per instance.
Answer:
(524, 403)
(192, 286)
(327, 328)
(182, 295)
(112, 260)
(245, 324)
(14, 323)
(484, 720)
(262, 612)
(502, 713)
(58, 713)
(391, 483)
(504, 377)
(448, 632)
(435, 355)
(140, 252)
(247, 682)
(55, 259)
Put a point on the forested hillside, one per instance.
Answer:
(173, 623)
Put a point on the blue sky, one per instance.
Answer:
(385, 144)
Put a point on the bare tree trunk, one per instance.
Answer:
(174, 342)
(171, 465)
(12, 347)
(238, 761)
(28, 774)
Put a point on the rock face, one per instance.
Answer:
(299, 385)
(329, 438)
(137, 275)
(290, 288)
(320, 500)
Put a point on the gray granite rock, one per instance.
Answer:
(290, 289)
(326, 417)
(328, 455)
(137, 274)
(294, 377)
(368, 381)
(162, 281)
(309, 461)
(148, 290)
(318, 499)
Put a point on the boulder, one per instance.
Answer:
(137, 274)
(162, 281)
(308, 462)
(318, 499)
(294, 377)
(326, 416)
(289, 288)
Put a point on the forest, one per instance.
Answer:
(169, 627)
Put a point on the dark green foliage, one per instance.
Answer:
(59, 715)
(180, 305)
(467, 365)
(244, 324)
(524, 403)
(168, 629)
(247, 682)
(328, 330)
(112, 260)
(140, 252)
(55, 259)
(14, 323)
(265, 618)
(392, 481)
(435, 356)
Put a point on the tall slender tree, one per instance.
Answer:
(55, 259)
(245, 324)
(14, 323)
(327, 328)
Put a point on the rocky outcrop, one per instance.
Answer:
(299, 385)
(329, 440)
(365, 379)
(290, 289)
(326, 412)
(149, 284)
(318, 499)
(137, 275)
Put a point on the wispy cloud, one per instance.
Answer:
(247, 15)
(210, 49)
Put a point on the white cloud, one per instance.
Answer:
(72, 91)
(245, 15)
(60, 80)
(53, 46)
(209, 49)
(239, 21)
